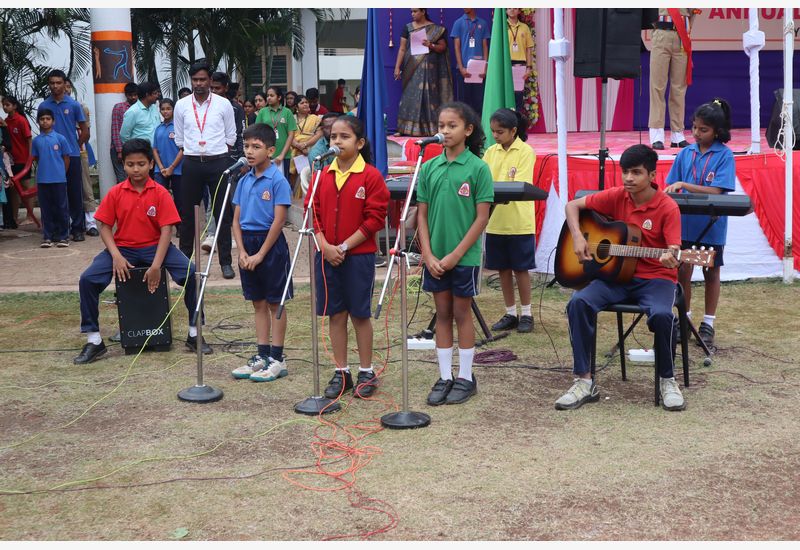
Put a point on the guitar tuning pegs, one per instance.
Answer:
(702, 248)
(694, 247)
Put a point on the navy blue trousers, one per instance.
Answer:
(55, 211)
(75, 196)
(98, 275)
(657, 296)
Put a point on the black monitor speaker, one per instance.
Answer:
(608, 42)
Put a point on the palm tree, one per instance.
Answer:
(23, 67)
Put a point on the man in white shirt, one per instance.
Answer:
(206, 130)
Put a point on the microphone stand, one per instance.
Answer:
(316, 404)
(200, 392)
(405, 419)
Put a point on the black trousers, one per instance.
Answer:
(197, 176)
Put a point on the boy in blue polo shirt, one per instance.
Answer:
(49, 150)
(261, 203)
(470, 36)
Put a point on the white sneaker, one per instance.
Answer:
(254, 364)
(671, 396)
(206, 246)
(579, 393)
(277, 369)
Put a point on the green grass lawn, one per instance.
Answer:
(106, 451)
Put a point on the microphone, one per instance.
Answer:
(332, 151)
(438, 138)
(242, 162)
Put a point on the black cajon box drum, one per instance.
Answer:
(141, 313)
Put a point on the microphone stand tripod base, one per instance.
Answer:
(405, 420)
(316, 405)
(200, 394)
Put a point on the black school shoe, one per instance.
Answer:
(682, 144)
(340, 378)
(706, 333)
(366, 384)
(90, 352)
(658, 145)
(191, 343)
(439, 392)
(92, 232)
(462, 390)
(506, 322)
(525, 324)
(78, 237)
(227, 272)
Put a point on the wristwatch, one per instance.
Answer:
(343, 248)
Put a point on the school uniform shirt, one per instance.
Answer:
(257, 197)
(139, 216)
(50, 149)
(67, 114)
(470, 31)
(20, 132)
(350, 201)
(164, 141)
(140, 122)
(282, 121)
(514, 164)
(659, 220)
(519, 34)
(714, 168)
(452, 191)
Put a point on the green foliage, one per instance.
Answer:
(23, 65)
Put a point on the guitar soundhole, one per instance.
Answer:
(603, 248)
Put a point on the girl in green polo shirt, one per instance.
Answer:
(282, 121)
(453, 199)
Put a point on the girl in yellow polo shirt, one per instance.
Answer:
(511, 233)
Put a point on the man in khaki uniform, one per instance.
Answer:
(670, 54)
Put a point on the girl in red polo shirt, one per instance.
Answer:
(20, 132)
(349, 208)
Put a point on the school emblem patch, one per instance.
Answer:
(512, 172)
(648, 224)
(265, 195)
(55, 147)
(361, 193)
(464, 190)
(710, 177)
(151, 211)
(66, 111)
(172, 135)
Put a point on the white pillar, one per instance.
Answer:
(305, 72)
(559, 50)
(112, 68)
(788, 103)
(753, 41)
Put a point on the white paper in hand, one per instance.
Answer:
(417, 47)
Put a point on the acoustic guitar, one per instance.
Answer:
(615, 248)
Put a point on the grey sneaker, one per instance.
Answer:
(276, 369)
(579, 393)
(671, 396)
(255, 363)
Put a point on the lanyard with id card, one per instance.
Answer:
(201, 127)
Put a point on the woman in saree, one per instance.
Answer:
(309, 131)
(427, 82)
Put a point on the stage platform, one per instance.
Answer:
(588, 143)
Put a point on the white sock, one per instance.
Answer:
(512, 310)
(345, 369)
(192, 331)
(362, 369)
(94, 338)
(465, 357)
(656, 134)
(525, 310)
(587, 381)
(709, 319)
(445, 356)
(677, 137)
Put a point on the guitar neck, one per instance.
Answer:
(636, 251)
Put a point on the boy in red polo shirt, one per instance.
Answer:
(144, 214)
(638, 202)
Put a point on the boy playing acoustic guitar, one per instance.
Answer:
(638, 202)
